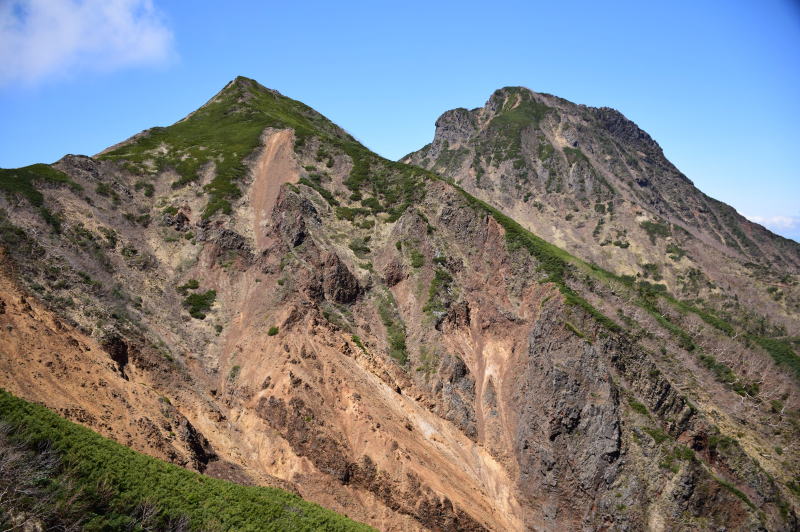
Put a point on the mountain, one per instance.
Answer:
(252, 294)
(592, 182)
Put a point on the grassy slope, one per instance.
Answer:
(23, 181)
(209, 503)
(228, 129)
(224, 131)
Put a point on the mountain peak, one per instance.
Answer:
(237, 91)
(509, 97)
(523, 145)
(222, 132)
(511, 90)
(248, 84)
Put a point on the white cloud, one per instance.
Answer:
(783, 223)
(40, 39)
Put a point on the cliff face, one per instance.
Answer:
(271, 303)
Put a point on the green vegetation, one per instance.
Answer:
(234, 373)
(350, 213)
(417, 258)
(198, 304)
(520, 111)
(575, 155)
(574, 330)
(638, 407)
(437, 290)
(781, 352)
(707, 317)
(339, 316)
(775, 292)
(323, 155)
(360, 247)
(738, 493)
(658, 435)
(647, 298)
(655, 230)
(74, 476)
(726, 375)
(730, 218)
(392, 186)
(272, 331)
(148, 188)
(677, 453)
(546, 150)
(598, 228)
(395, 330)
(223, 132)
(449, 159)
(675, 252)
(649, 293)
(553, 261)
(22, 182)
(653, 271)
(429, 361)
(104, 189)
(191, 284)
(357, 340)
(322, 191)
(372, 204)
(720, 442)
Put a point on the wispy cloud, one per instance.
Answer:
(40, 39)
(777, 223)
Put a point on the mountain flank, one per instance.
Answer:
(539, 323)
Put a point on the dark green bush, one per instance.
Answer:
(638, 407)
(417, 258)
(191, 284)
(199, 303)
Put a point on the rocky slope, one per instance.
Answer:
(592, 182)
(253, 294)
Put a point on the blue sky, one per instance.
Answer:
(716, 83)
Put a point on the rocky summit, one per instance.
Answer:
(535, 322)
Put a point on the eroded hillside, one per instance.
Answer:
(253, 294)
